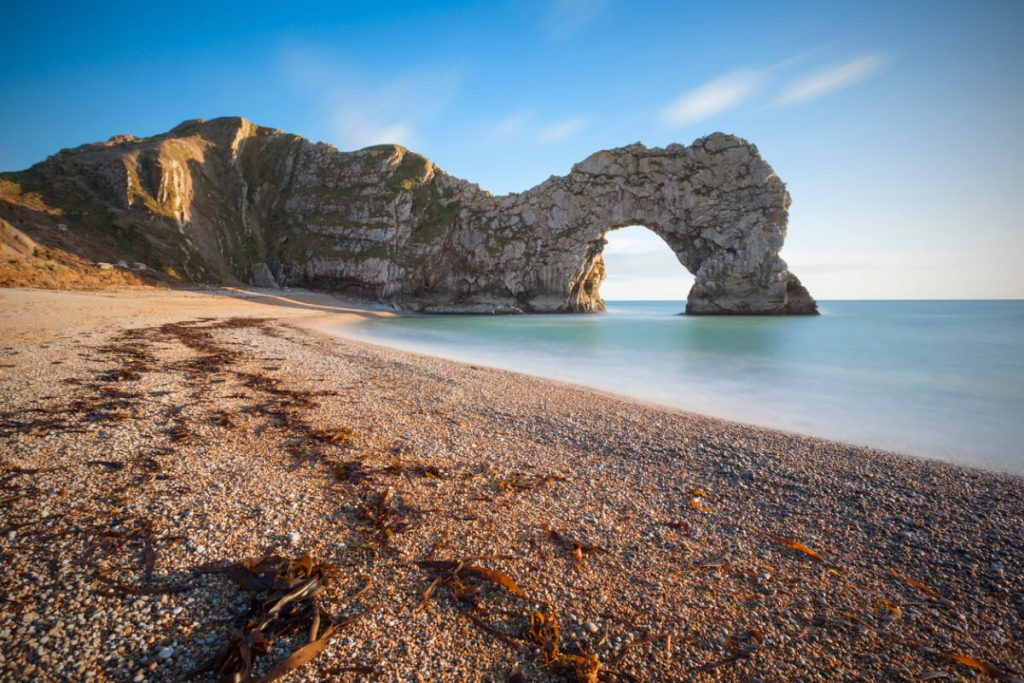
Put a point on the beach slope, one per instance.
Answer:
(460, 522)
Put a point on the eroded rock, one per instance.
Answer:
(226, 200)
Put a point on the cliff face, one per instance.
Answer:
(228, 201)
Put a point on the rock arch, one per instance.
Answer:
(717, 204)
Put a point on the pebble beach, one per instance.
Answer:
(206, 485)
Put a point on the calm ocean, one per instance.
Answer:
(940, 379)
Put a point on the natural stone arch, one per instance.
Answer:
(717, 204)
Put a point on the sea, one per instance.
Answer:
(934, 379)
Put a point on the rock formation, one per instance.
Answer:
(228, 201)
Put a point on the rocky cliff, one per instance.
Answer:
(229, 201)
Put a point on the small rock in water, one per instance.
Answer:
(165, 653)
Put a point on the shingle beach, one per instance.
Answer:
(201, 483)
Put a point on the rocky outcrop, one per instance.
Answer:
(262, 277)
(226, 200)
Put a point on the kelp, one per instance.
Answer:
(289, 604)
(932, 594)
(580, 551)
(151, 589)
(356, 472)
(984, 667)
(179, 433)
(223, 418)
(583, 665)
(333, 436)
(809, 552)
(383, 514)
(462, 578)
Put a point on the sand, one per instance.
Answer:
(152, 440)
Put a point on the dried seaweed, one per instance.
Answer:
(932, 594)
(979, 665)
(383, 514)
(796, 545)
(809, 552)
(356, 472)
(152, 589)
(334, 436)
(458, 576)
(290, 604)
(179, 433)
(580, 551)
(222, 418)
(584, 667)
(506, 638)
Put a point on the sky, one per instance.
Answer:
(898, 127)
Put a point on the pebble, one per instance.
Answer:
(629, 470)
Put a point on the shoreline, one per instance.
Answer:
(323, 327)
(212, 428)
(890, 440)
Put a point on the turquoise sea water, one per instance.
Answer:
(941, 379)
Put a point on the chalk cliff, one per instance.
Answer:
(229, 201)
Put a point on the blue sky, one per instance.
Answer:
(897, 126)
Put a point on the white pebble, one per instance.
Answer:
(166, 653)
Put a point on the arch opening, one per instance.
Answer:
(641, 266)
(628, 262)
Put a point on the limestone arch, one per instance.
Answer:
(717, 204)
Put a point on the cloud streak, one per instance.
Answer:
(733, 89)
(829, 80)
(713, 98)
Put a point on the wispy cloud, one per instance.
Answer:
(359, 110)
(733, 89)
(561, 130)
(825, 81)
(564, 17)
(712, 98)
